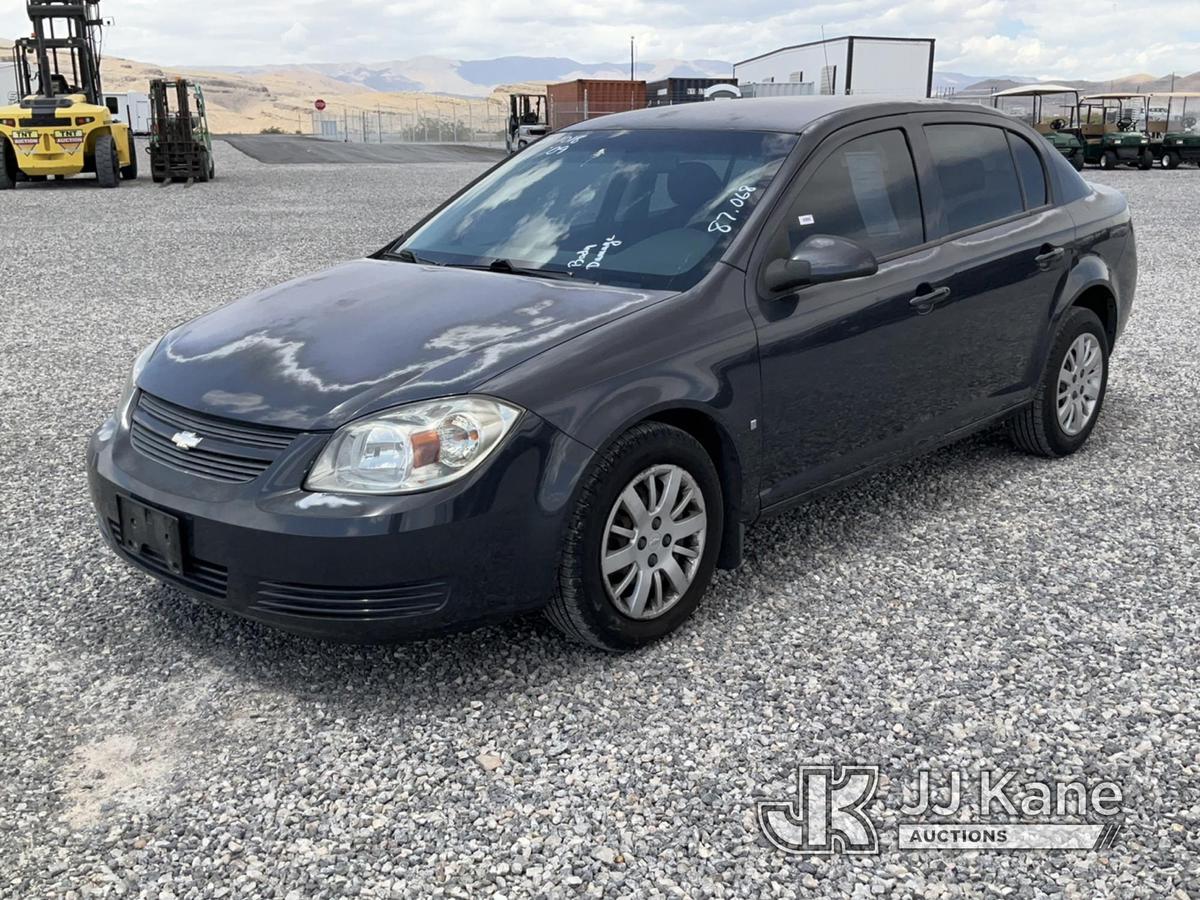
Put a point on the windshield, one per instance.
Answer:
(646, 209)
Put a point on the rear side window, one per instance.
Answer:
(976, 172)
(1029, 168)
(866, 191)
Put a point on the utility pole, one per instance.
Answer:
(631, 58)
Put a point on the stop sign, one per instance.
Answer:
(320, 105)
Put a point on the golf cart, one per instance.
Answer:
(1175, 138)
(1115, 129)
(1055, 123)
(526, 120)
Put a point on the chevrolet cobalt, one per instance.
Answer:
(573, 385)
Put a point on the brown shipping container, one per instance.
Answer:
(587, 98)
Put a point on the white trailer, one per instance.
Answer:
(133, 108)
(8, 84)
(856, 64)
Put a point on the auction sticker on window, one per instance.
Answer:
(26, 140)
(69, 138)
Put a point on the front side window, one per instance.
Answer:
(866, 190)
(647, 209)
(975, 170)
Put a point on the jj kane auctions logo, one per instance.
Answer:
(829, 813)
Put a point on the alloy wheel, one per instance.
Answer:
(1079, 382)
(653, 541)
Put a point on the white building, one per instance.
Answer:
(897, 67)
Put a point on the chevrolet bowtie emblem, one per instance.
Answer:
(186, 440)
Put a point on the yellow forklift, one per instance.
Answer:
(62, 125)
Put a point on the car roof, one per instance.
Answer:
(780, 114)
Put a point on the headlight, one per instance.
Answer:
(412, 448)
(125, 406)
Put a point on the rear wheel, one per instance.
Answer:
(130, 172)
(1170, 159)
(1071, 394)
(8, 166)
(1077, 160)
(1146, 160)
(642, 543)
(108, 170)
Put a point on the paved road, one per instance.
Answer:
(294, 149)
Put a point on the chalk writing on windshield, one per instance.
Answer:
(726, 219)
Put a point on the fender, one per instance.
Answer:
(1088, 272)
(597, 385)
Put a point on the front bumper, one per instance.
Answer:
(348, 567)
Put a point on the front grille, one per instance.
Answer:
(323, 602)
(198, 575)
(227, 451)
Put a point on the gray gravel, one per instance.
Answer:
(974, 608)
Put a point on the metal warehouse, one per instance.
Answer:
(897, 67)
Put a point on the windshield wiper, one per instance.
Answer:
(506, 266)
(409, 257)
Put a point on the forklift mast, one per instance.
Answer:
(65, 48)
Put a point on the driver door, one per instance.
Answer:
(850, 372)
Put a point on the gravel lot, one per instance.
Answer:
(974, 609)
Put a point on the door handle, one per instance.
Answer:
(927, 300)
(1049, 258)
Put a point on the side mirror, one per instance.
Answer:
(113, 106)
(819, 259)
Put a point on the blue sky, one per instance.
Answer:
(1038, 38)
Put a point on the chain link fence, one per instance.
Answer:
(431, 121)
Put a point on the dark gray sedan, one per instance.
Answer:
(573, 385)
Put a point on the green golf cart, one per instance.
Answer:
(1053, 118)
(1115, 128)
(1175, 137)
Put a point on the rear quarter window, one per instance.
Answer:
(1069, 184)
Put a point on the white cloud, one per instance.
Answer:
(1034, 37)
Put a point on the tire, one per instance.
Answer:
(8, 166)
(1170, 159)
(1077, 160)
(206, 167)
(1037, 428)
(1146, 160)
(582, 606)
(130, 172)
(108, 171)
(1108, 160)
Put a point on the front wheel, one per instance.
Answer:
(8, 166)
(1146, 160)
(1108, 159)
(108, 168)
(1077, 160)
(130, 172)
(1068, 401)
(642, 543)
(1170, 159)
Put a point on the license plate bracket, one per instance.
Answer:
(146, 529)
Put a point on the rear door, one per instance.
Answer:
(1003, 252)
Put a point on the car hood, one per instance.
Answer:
(314, 353)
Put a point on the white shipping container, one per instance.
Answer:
(896, 67)
(133, 108)
(8, 84)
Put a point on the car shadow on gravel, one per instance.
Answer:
(460, 665)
